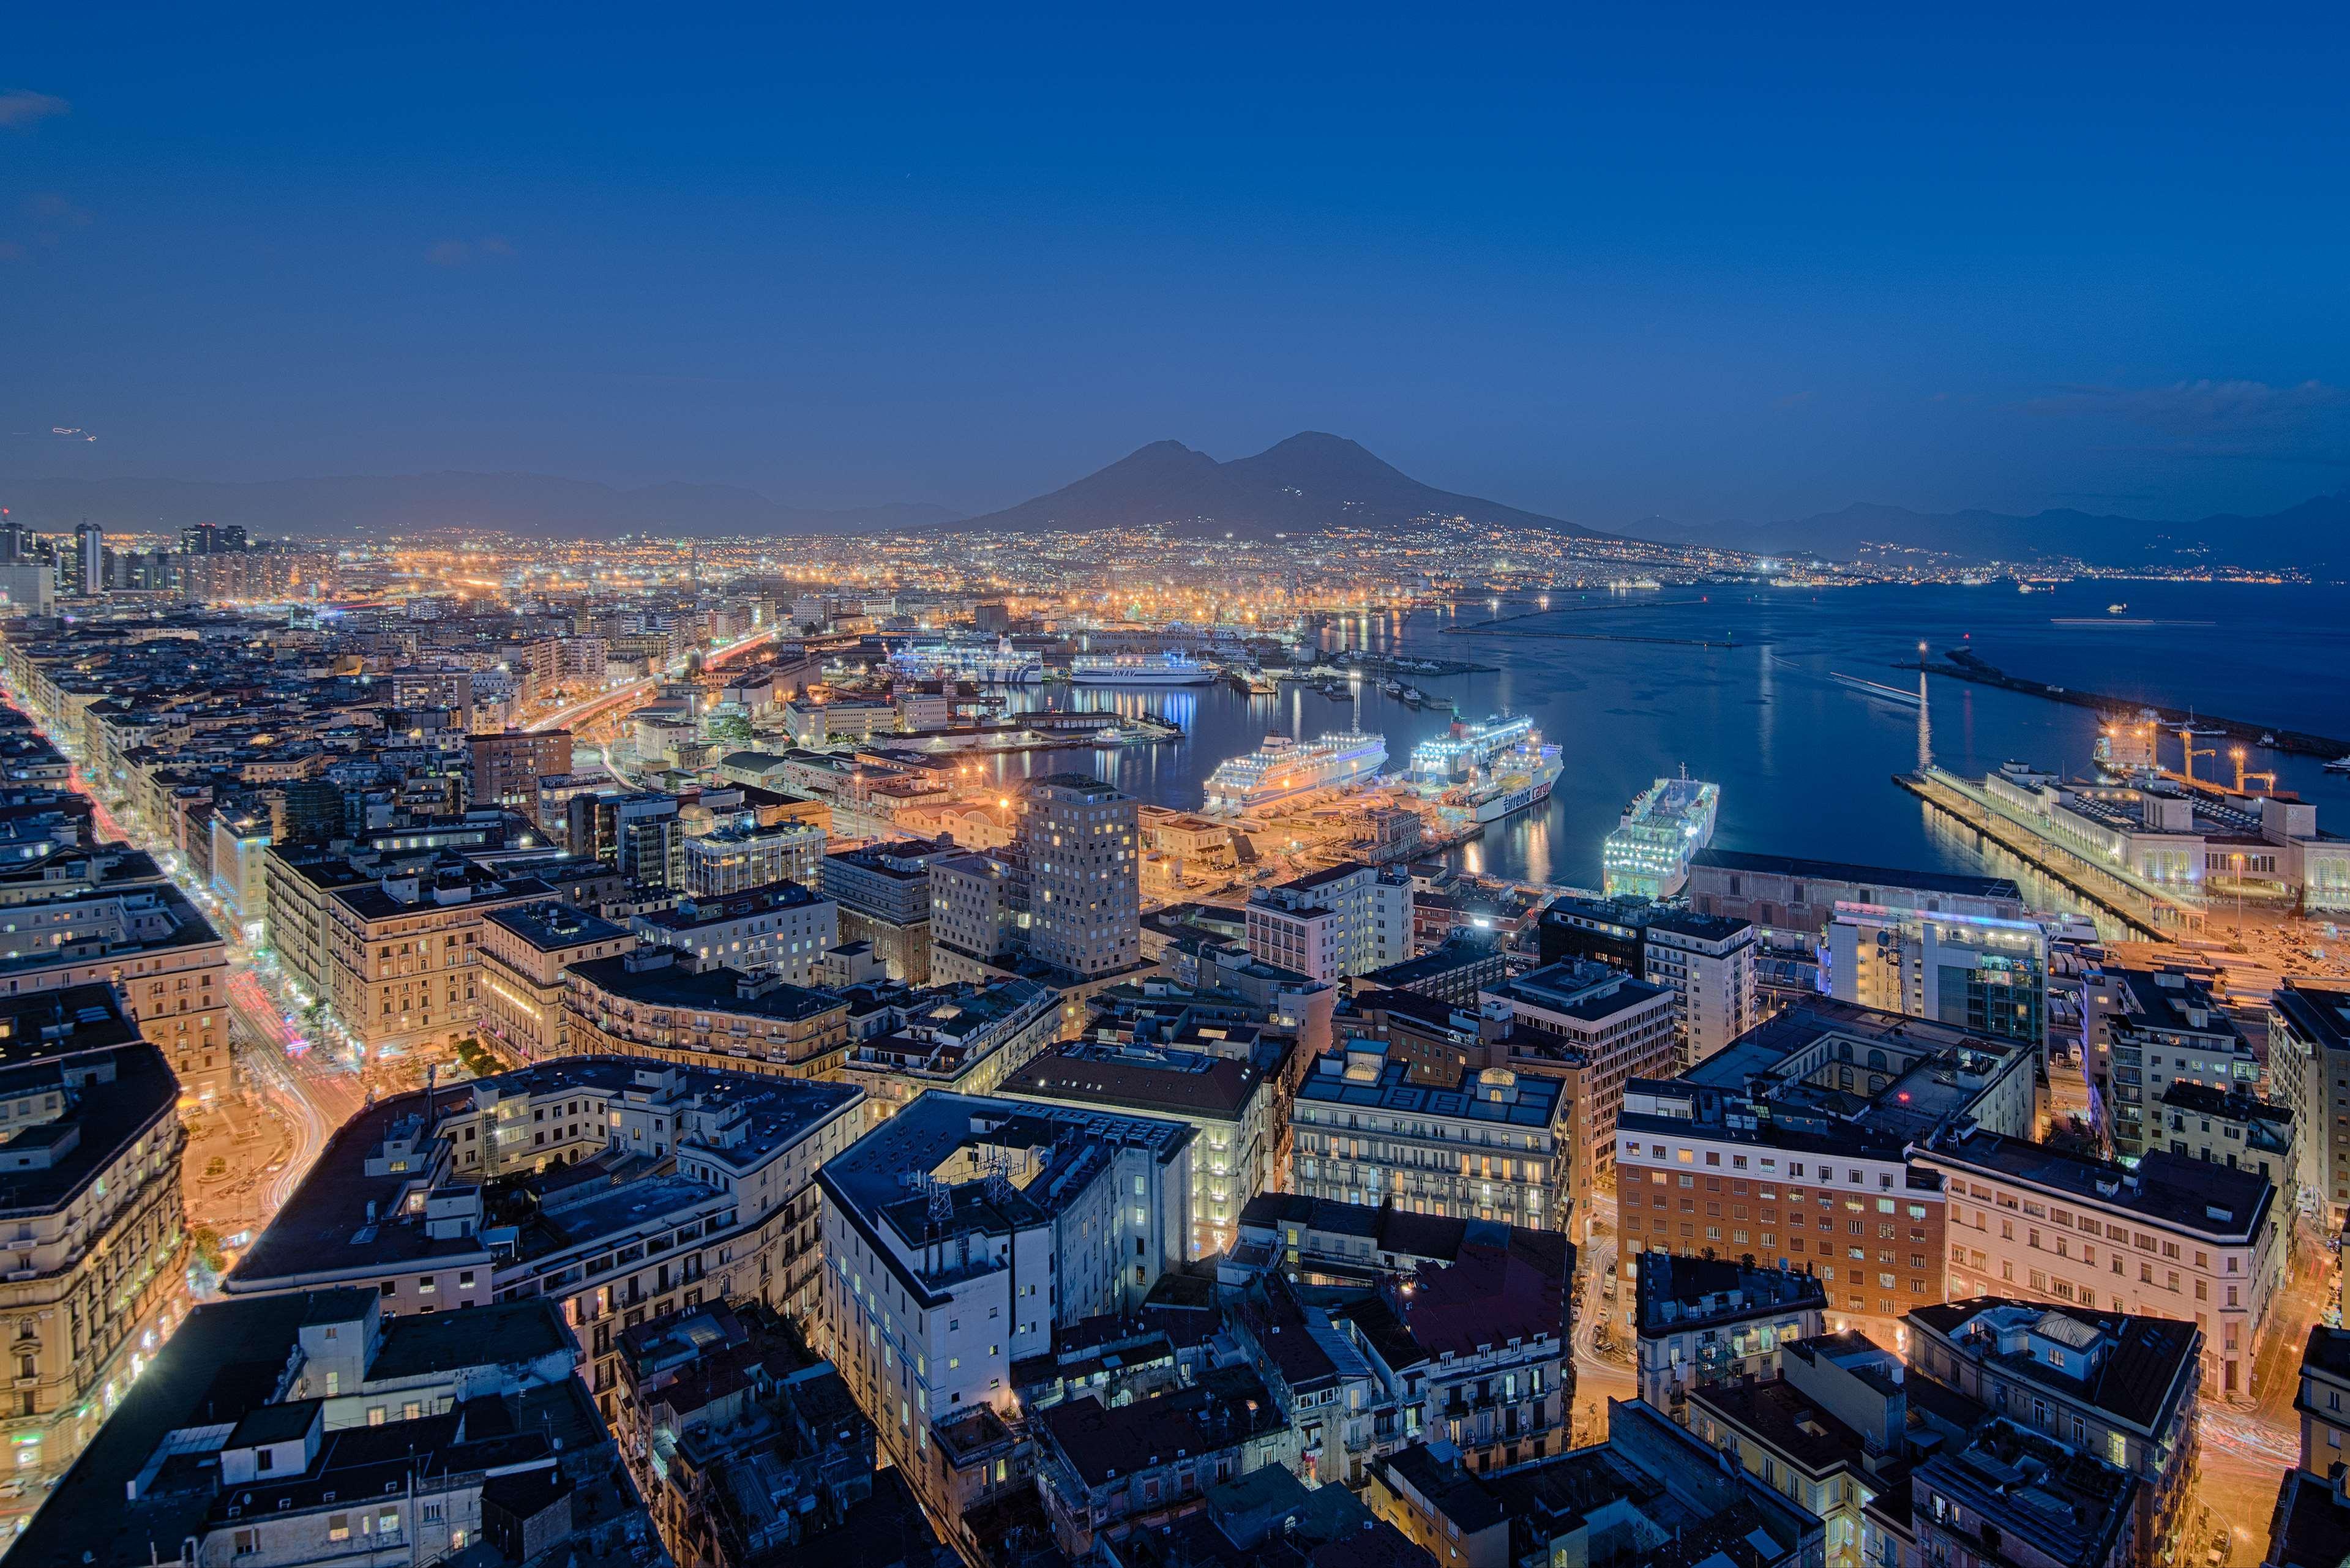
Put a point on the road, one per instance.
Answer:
(1598, 1378)
(574, 714)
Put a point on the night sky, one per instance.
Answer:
(1752, 261)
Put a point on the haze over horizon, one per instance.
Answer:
(1704, 265)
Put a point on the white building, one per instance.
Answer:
(1347, 921)
(738, 858)
(782, 930)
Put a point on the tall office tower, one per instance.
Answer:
(508, 766)
(211, 538)
(1076, 837)
(89, 559)
(1986, 976)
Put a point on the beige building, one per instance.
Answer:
(96, 1251)
(524, 950)
(157, 949)
(654, 1002)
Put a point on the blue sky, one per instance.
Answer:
(1724, 262)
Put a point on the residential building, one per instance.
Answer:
(525, 949)
(2309, 1068)
(1791, 1148)
(1984, 975)
(314, 1428)
(1454, 970)
(2231, 1127)
(1323, 1242)
(1490, 1146)
(1706, 961)
(2174, 1237)
(958, 1235)
(1830, 1431)
(90, 1156)
(1348, 919)
(967, 1038)
(2146, 1029)
(506, 767)
(2036, 1503)
(1596, 1030)
(1652, 1496)
(619, 1189)
(1227, 1091)
(403, 952)
(1700, 1321)
(735, 859)
(884, 894)
(2120, 1388)
(655, 1002)
(2309, 1527)
(781, 928)
(1106, 1471)
(1078, 844)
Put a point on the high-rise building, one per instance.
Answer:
(508, 766)
(1706, 961)
(88, 568)
(1076, 836)
(1987, 976)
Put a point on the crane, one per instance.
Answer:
(2187, 742)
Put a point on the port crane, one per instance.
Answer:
(2186, 743)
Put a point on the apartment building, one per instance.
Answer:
(403, 952)
(1227, 1090)
(1699, 1322)
(97, 1234)
(2175, 1238)
(2309, 1070)
(2147, 1028)
(618, 1189)
(1792, 1149)
(883, 892)
(1707, 961)
(2310, 1525)
(966, 1038)
(736, 859)
(506, 767)
(1077, 843)
(2123, 1389)
(1490, 1146)
(959, 1237)
(783, 928)
(157, 948)
(1348, 919)
(313, 1429)
(525, 949)
(655, 1003)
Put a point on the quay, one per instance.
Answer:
(2138, 911)
(1959, 664)
(1504, 626)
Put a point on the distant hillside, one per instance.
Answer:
(380, 503)
(2312, 536)
(1308, 482)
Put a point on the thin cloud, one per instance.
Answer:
(2195, 409)
(457, 253)
(20, 107)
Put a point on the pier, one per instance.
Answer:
(1506, 625)
(2139, 911)
(1962, 665)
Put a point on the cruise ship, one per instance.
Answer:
(1140, 670)
(1283, 769)
(1489, 769)
(994, 664)
(1647, 856)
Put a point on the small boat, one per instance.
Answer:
(1392, 688)
(1414, 697)
(2117, 609)
(2338, 765)
(2267, 739)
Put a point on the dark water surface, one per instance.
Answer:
(1803, 762)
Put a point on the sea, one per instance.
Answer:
(1735, 686)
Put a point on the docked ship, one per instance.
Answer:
(1140, 670)
(1284, 768)
(1489, 769)
(992, 664)
(1647, 856)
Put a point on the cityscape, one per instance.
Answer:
(570, 1006)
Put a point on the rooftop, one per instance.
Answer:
(2192, 1195)
(2000, 887)
(553, 925)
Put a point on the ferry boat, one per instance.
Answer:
(1490, 770)
(1647, 856)
(1284, 768)
(1140, 670)
(992, 664)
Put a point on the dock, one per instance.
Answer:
(1506, 625)
(1960, 664)
(2120, 900)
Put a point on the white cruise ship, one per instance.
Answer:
(1647, 856)
(1140, 670)
(994, 664)
(1284, 768)
(1491, 769)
